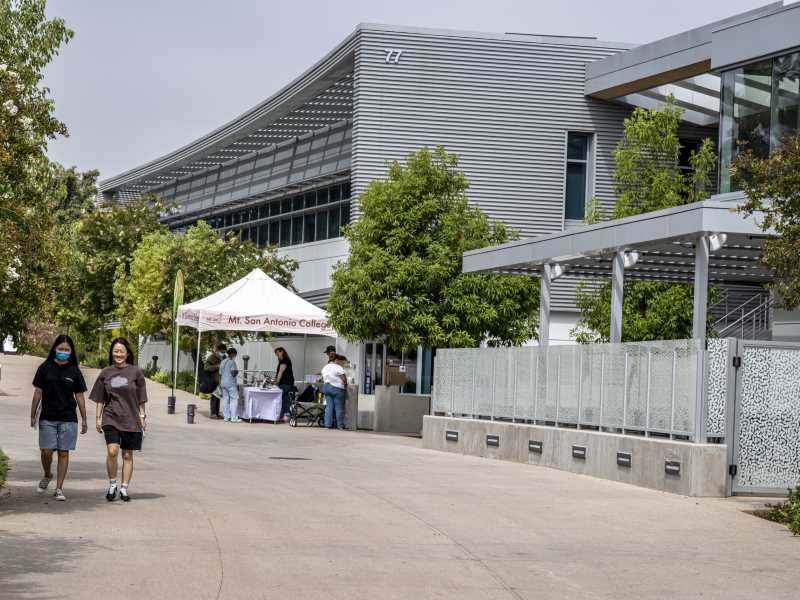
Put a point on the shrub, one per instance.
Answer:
(184, 382)
(787, 512)
(3, 468)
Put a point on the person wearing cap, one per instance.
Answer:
(334, 387)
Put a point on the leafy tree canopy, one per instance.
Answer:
(209, 263)
(106, 239)
(772, 186)
(648, 178)
(29, 236)
(403, 282)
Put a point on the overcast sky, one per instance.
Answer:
(143, 77)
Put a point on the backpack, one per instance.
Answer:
(205, 383)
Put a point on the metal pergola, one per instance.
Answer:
(702, 243)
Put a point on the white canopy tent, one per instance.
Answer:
(254, 303)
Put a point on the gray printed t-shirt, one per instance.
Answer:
(121, 390)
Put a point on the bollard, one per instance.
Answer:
(190, 408)
(155, 363)
(170, 405)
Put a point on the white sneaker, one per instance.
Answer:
(43, 483)
(60, 496)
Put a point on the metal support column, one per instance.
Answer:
(700, 313)
(544, 306)
(617, 286)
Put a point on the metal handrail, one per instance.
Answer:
(761, 311)
(739, 309)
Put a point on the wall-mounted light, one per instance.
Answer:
(556, 271)
(717, 241)
(629, 259)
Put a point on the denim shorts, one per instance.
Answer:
(58, 435)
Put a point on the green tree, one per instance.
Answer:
(772, 186)
(106, 239)
(29, 235)
(403, 282)
(648, 178)
(209, 263)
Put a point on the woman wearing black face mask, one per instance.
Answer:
(58, 386)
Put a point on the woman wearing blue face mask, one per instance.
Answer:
(58, 387)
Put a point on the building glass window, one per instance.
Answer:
(286, 232)
(292, 220)
(309, 234)
(746, 101)
(322, 225)
(297, 230)
(786, 93)
(274, 233)
(577, 175)
(333, 223)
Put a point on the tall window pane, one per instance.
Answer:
(345, 220)
(746, 98)
(286, 232)
(333, 223)
(263, 235)
(274, 208)
(310, 199)
(297, 230)
(786, 101)
(322, 196)
(335, 193)
(576, 184)
(297, 203)
(310, 228)
(274, 233)
(576, 191)
(322, 225)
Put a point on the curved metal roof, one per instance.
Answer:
(318, 88)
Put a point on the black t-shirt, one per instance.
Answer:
(288, 375)
(59, 384)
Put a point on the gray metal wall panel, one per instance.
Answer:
(503, 105)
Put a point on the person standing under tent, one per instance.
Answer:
(211, 367)
(58, 387)
(284, 379)
(335, 389)
(121, 394)
(228, 371)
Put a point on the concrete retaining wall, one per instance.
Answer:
(399, 413)
(702, 467)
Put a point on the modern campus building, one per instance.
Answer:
(534, 118)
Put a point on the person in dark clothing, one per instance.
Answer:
(284, 379)
(58, 387)
(211, 367)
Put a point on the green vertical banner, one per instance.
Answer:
(177, 300)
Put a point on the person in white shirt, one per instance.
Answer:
(335, 389)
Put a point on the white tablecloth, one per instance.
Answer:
(262, 403)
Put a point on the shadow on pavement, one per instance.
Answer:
(79, 470)
(25, 557)
(20, 495)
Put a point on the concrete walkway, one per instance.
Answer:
(250, 511)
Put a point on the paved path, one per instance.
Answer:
(218, 513)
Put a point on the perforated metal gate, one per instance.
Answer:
(766, 440)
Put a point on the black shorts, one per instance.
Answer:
(127, 440)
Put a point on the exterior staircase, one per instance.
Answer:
(743, 313)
